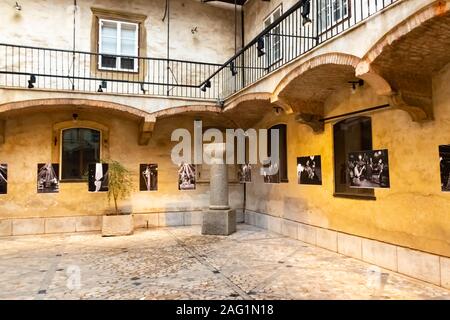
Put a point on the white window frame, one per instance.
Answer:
(273, 57)
(328, 12)
(118, 45)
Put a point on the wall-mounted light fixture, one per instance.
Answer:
(277, 110)
(233, 68)
(31, 81)
(260, 47)
(194, 30)
(142, 88)
(102, 86)
(18, 7)
(206, 85)
(74, 117)
(356, 83)
(306, 10)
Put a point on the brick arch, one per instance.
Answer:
(436, 9)
(247, 98)
(332, 58)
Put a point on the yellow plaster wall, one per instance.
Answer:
(414, 212)
(29, 142)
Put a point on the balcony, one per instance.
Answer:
(299, 30)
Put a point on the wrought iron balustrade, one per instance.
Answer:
(300, 29)
(43, 68)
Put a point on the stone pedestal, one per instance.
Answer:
(219, 219)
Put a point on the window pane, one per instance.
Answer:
(80, 147)
(109, 38)
(350, 135)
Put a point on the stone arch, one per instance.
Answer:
(186, 109)
(146, 120)
(331, 58)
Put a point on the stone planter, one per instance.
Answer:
(117, 225)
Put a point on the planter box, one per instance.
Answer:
(118, 225)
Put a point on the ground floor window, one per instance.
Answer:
(350, 135)
(80, 147)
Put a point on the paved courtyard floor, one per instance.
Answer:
(179, 263)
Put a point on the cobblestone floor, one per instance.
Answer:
(179, 263)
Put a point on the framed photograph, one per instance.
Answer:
(271, 178)
(48, 178)
(368, 169)
(245, 173)
(186, 177)
(3, 178)
(98, 177)
(309, 170)
(148, 180)
(444, 155)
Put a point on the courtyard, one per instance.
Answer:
(180, 263)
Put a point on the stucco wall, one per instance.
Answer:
(414, 212)
(47, 23)
(30, 142)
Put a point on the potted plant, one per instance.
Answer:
(119, 187)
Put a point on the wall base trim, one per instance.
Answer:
(52, 225)
(416, 264)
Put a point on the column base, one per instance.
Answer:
(219, 222)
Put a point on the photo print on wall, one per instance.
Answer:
(98, 177)
(444, 155)
(3, 178)
(309, 170)
(272, 178)
(245, 173)
(149, 177)
(48, 178)
(368, 169)
(186, 177)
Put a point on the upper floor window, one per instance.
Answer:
(116, 39)
(350, 135)
(273, 40)
(79, 148)
(332, 12)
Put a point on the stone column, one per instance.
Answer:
(219, 219)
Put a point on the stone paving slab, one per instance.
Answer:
(180, 263)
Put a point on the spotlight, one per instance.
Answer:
(277, 110)
(75, 117)
(142, 88)
(17, 6)
(306, 10)
(206, 85)
(102, 86)
(260, 47)
(359, 82)
(32, 81)
(233, 69)
(194, 30)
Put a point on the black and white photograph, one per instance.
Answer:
(368, 169)
(309, 170)
(3, 178)
(98, 177)
(148, 177)
(48, 178)
(271, 178)
(444, 155)
(186, 177)
(245, 173)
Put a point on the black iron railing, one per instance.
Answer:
(300, 29)
(33, 67)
